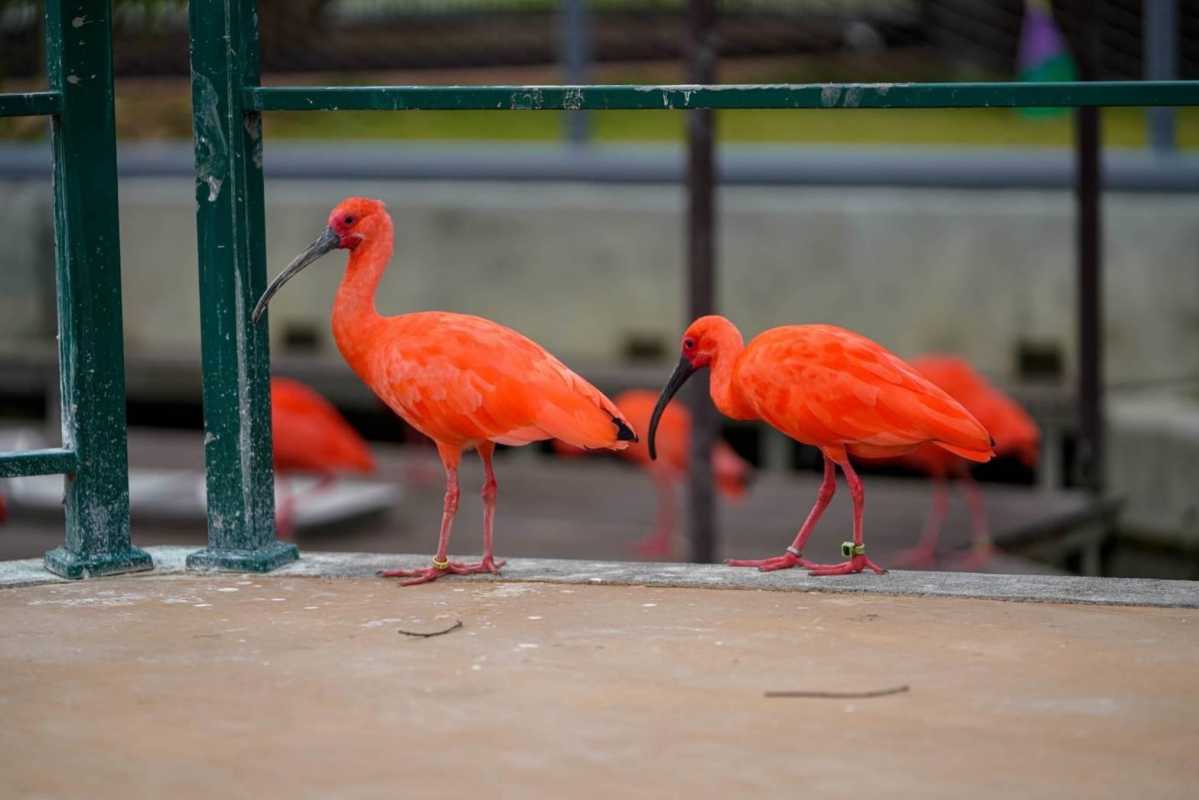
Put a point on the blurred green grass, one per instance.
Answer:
(1122, 127)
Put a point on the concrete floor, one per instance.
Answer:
(251, 686)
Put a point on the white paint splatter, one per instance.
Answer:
(509, 590)
(103, 599)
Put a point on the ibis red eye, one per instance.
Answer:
(688, 344)
(348, 219)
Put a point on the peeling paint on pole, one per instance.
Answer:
(230, 235)
(721, 96)
(87, 252)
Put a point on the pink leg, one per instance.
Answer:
(657, 544)
(857, 555)
(284, 524)
(490, 488)
(983, 550)
(285, 519)
(794, 555)
(924, 554)
(441, 562)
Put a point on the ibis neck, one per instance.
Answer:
(354, 314)
(725, 390)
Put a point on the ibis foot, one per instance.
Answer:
(855, 564)
(785, 561)
(430, 574)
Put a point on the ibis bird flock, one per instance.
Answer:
(469, 383)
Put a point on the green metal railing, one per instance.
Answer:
(229, 190)
(781, 96)
(94, 456)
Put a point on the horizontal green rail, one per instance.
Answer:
(52, 461)
(30, 104)
(829, 95)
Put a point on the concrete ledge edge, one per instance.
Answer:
(170, 561)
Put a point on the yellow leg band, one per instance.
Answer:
(849, 549)
(441, 565)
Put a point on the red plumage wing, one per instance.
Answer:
(1014, 430)
(461, 379)
(829, 386)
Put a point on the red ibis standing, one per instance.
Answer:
(463, 381)
(832, 388)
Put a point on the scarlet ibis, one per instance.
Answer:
(463, 381)
(1015, 434)
(732, 473)
(832, 388)
(3, 509)
(310, 436)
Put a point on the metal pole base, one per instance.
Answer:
(262, 559)
(66, 564)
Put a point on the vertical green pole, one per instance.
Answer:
(232, 254)
(87, 254)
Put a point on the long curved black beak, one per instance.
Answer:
(329, 240)
(681, 373)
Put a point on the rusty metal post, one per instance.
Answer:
(576, 61)
(1088, 188)
(701, 277)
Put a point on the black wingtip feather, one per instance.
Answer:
(623, 432)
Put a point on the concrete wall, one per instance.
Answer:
(1154, 464)
(583, 267)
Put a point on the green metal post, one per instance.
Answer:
(87, 252)
(232, 253)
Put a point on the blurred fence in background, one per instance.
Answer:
(945, 39)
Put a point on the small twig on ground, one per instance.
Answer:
(843, 695)
(423, 635)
